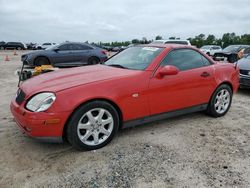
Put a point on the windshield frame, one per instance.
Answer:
(154, 56)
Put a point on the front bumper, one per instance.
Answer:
(244, 81)
(41, 125)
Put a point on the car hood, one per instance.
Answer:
(67, 78)
(244, 63)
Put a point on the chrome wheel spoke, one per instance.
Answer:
(96, 137)
(107, 121)
(100, 115)
(86, 136)
(90, 117)
(84, 126)
(104, 131)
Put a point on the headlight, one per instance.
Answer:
(41, 102)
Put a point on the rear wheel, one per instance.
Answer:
(93, 61)
(220, 101)
(93, 125)
(41, 61)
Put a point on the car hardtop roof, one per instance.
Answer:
(168, 45)
(83, 43)
(211, 45)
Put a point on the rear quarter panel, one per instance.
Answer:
(227, 73)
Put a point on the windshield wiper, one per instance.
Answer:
(117, 65)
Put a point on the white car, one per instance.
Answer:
(210, 49)
(44, 45)
(172, 41)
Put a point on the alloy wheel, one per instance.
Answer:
(95, 126)
(222, 101)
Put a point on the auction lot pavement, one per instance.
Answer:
(189, 151)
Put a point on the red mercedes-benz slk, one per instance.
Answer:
(142, 84)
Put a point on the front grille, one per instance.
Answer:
(20, 97)
(245, 82)
(245, 72)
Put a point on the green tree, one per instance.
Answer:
(158, 37)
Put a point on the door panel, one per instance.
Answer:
(193, 85)
(186, 89)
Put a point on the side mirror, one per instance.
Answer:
(167, 70)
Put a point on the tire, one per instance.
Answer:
(93, 61)
(221, 101)
(86, 132)
(41, 61)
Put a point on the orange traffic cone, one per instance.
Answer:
(6, 58)
(15, 52)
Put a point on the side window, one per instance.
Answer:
(185, 59)
(74, 47)
(206, 62)
(85, 47)
(247, 51)
(64, 47)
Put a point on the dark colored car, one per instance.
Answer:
(66, 54)
(31, 46)
(230, 53)
(15, 45)
(2, 44)
(244, 65)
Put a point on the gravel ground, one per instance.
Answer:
(188, 151)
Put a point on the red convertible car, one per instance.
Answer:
(141, 84)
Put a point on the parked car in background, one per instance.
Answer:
(31, 46)
(66, 54)
(174, 41)
(2, 44)
(141, 84)
(246, 51)
(244, 66)
(229, 53)
(210, 49)
(15, 45)
(108, 48)
(44, 45)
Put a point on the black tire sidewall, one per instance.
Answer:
(211, 108)
(73, 123)
(41, 61)
(93, 61)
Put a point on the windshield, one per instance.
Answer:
(137, 58)
(52, 47)
(176, 42)
(205, 47)
(231, 48)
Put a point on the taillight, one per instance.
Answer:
(104, 52)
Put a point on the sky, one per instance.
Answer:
(119, 20)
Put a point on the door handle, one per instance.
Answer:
(205, 74)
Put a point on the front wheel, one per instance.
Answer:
(41, 61)
(220, 101)
(93, 125)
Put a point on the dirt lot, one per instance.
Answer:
(189, 151)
